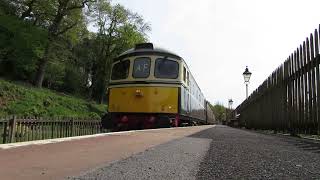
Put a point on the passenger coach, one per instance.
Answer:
(152, 87)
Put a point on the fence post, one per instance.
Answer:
(12, 127)
(52, 127)
(61, 127)
(5, 131)
(72, 125)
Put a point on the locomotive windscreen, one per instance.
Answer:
(120, 70)
(141, 67)
(166, 68)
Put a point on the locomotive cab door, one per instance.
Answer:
(189, 94)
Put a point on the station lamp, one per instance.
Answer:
(246, 75)
(230, 103)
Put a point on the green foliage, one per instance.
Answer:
(219, 111)
(118, 30)
(28, 101)
(73, 80)
(55, 75)
(23, 45)
(52, 35)
(7, 8)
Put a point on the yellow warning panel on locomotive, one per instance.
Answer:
(144, 99)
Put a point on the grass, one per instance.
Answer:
(23, 100)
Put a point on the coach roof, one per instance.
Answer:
(147, 49)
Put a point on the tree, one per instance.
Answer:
(67, 15)
(118, 30)
(48, 43)
(7, 8)
(219, 111)
(21, 46)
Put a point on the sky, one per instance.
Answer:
(219, 38)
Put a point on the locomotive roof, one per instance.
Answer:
(147, 49)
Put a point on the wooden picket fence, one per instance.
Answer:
(14, 129)
(289, 99)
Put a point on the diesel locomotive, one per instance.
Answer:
(151, 87)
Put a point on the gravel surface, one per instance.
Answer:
(239, 154)
(179, 159)
(220, 153)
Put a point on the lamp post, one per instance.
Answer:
(230, 103)
(246, 76)
(229, 114)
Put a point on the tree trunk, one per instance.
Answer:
(40, 73)
(42, 67)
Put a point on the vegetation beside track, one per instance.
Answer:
(50, 43)
(25, 100)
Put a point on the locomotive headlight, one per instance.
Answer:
(139, 93)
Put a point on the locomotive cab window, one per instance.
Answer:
(141, 67)
(120, 70)
(166, 68)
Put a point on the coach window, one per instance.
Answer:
(120, 70)
(184, 74)
(188, 79)
(166, 68)
(141, 67)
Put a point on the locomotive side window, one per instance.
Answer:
(184, 74)
(165, 68)
(141, 67)
(120, 70)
